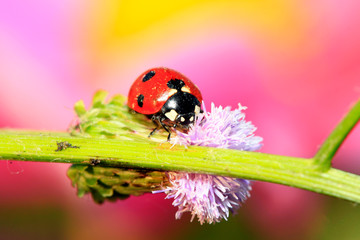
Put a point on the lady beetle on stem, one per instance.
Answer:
(169, 98)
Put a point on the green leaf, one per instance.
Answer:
(79, 108)
(118, 100)
(99, 98)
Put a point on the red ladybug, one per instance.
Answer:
(167, 96)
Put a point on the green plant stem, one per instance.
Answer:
(296, 172)
(322, 159)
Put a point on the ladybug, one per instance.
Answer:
(166, 96)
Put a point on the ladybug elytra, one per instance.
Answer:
(169, 98)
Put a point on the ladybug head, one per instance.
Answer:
(181, 109)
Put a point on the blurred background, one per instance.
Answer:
(295, 64)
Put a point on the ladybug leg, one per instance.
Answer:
(165, 127)
(152, 132)
(156, 121)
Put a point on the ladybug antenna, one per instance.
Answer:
(176, 84)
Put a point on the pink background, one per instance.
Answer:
(295, 64)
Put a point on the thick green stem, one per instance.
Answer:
(296, 172)
(116, 137)
(322, 159)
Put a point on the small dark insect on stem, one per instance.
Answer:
(64, 145)
(94, 161)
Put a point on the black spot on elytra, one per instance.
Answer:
(148, 76)
(140, 100)
(176, 84)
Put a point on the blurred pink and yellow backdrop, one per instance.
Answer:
(295, 64)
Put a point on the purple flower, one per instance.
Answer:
(211, 198)
(221, 128)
